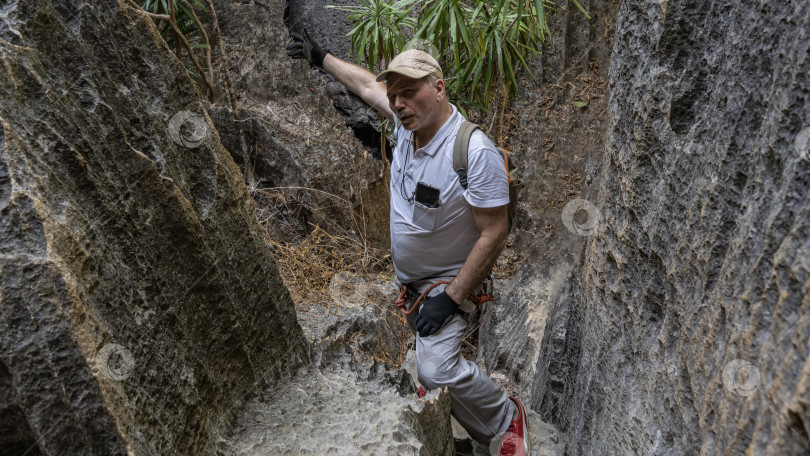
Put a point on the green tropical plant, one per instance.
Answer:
(379, 31)
(505, 34)
(447, 25)
(481, 44)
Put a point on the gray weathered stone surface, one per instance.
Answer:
(361, 314)
(292, 136)
(558, 147)
(141, 309)
(329, 27)
(113, 233)
(347, 402)
(342, 407)
(703, 253)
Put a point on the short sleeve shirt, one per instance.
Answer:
(420, 253)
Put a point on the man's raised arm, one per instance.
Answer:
(358, 80)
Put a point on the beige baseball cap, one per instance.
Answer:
(414, 64)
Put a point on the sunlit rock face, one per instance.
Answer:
(684, 327)
(139, 304)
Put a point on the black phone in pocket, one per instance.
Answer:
(427, 194)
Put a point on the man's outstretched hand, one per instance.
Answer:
(304, 47)
(434, 314)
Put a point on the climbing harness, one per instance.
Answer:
(485, 295)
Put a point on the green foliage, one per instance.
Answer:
(379, 29)
(507, 32)
(481, 44)
(448, 27)
(186, 22)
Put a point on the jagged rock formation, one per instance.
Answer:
(558, 147)
(286, 133)
(141, 309)
(684, 328)
(142, 313)
(139, 304)
(360, 314)
(330, 26)
(346, 402)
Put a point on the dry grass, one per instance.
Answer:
(307, 267)
(309, 259)
(313, 238)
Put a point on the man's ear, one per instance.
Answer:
(440, 90)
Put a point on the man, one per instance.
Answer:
(456, 237)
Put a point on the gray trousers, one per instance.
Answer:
(478, 404)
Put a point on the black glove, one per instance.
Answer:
(304, 47)
(434, 314)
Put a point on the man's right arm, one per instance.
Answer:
(361, 82)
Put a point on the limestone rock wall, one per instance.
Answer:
(286, 132)
(341, 406)
(558, 147)
(329, 27)
(684, 328)
(139, 305)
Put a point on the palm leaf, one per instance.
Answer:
(581, 8)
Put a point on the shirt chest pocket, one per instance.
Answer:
(425, 217)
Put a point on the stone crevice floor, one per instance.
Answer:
(343, 408)
(345, 403)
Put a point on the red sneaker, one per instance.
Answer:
(516, 440)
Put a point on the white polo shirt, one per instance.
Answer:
(439, 253)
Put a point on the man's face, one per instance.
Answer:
(413, 101)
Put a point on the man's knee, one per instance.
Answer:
(430, 379)
(436, 372)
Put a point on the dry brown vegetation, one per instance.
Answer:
(310, 241)
(310, 257)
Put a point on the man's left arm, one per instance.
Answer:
(493, 223)
(488, 186)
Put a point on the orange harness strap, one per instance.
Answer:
(402, 299)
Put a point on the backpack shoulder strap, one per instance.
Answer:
(460, 149)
